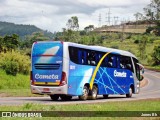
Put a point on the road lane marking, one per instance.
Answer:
(151, 91)
(154, 75)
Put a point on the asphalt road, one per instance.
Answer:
(151, 90)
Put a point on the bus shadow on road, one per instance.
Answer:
(76, 99)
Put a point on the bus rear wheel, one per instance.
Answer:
(65, 97)
(130, 93)
(84, 95)
(93, 93)
(54, 97)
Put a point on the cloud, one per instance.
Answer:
(68, 6)
(52, 15)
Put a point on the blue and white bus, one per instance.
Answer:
(66, 69)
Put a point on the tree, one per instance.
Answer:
(10, 42)
(30, 39)
(71, 34)
(142, 46)
(139, 16)
(89, 28)
(156, 55)
(73, 23)
(1, 44)
(153, 10)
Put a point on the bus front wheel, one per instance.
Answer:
(54, 97)
(84, 95)
(130, 93)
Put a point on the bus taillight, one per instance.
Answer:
(64, 79)
(31, 78)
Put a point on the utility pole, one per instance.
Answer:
(109, 17)
(115, 20)
(123, 29)
(108, 20)
(100, 19)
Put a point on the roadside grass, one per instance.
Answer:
(17, 93)
(155, 68)
(137, 105)
(142, 105)
(14, 85)
(13, 82)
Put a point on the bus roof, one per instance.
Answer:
(97, 48)
(102, 49)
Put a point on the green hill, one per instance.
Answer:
(7, 28)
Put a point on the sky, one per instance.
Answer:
(52, 15)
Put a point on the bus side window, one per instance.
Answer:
(73, 53)
(84, 57)
(137, 68)
(122, 62)
(114, 60)
(125, 63)
(80, 61)
(106, 61)
(97, 58)
(129, 64)
(91, 56)
(88, 58)
(103, 64)
(110, 61)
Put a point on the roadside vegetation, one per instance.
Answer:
(142, 105)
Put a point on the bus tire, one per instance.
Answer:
(130, 93)
(105, 96)
(84, 96)
(65, 97)
(93, 93)
(54, 97)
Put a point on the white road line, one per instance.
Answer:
(154, 75)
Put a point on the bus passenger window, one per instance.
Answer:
(110, 61)
(80, 57)
(84, 57)
(91, 58)
(73, 53)
(97, 58)
(88, 58)
(122, 62)
(128, 66)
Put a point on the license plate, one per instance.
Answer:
(46, 89)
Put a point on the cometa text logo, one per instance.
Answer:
(38, 76)
(119, 74)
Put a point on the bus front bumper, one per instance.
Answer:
(49, 89)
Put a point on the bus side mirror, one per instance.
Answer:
(142, 70)
(141, 77)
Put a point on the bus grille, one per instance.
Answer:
(44, 66)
